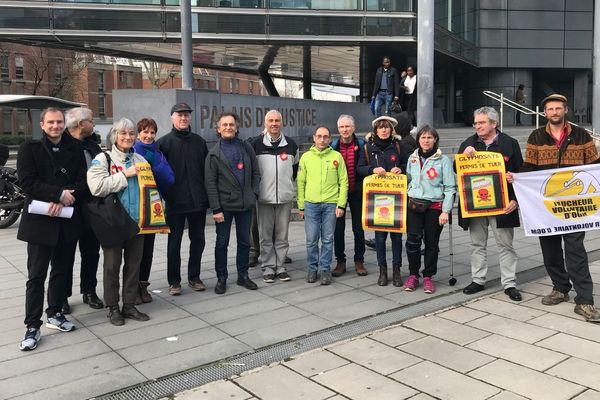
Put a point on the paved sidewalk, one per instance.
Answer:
(489, 348)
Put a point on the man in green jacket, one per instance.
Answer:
(322, 194)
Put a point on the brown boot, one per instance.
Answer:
(144, 294)
(360, 268)
(383, 277)
(396, 278)
(340, 269)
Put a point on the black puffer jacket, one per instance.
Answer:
(513, 159)
(186, 153)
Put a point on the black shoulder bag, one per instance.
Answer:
(109, 220)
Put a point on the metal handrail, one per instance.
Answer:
(519, 107)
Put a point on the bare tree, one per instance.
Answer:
(159, 73)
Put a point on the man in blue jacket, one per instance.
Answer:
(350, 146)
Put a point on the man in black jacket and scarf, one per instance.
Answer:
(186, 199)
(51, 170)
(489, 138)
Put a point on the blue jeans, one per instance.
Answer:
(381, 99)
(380, 238)
(242, 232)
(319, 222)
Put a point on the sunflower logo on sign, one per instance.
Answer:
(432, 173)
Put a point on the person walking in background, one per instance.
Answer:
(232, 184)
(145, 146)
(431, 189)
(350, 146)
(322, 196)
(186, 200)
(410, 94)
(520, 99)
(116, 172)
(80, 125)
(385, 87)
(383, 154)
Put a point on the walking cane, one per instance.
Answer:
(452, 280)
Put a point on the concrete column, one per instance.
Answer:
(596, 68)
(580, 97)
(425, 28)
(187, 64)
(306, 73)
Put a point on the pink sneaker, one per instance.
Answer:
(428, 286)
(411, 283)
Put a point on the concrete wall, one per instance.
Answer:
(536, 33)
(300, 117)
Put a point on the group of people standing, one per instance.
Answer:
(66, 168)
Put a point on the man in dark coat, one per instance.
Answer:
(80, 125)
(51, 170)
(186, 199)
(385, 87)
(489, 138)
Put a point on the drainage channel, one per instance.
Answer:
(226, 368)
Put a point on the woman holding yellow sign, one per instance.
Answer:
(431, 189)
(382, 154)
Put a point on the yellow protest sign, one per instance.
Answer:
(482, 188)
(384, 203)
(152, 208)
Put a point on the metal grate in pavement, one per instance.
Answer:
(223, 369)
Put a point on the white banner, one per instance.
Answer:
(558, 201)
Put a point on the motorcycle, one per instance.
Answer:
(12, 196)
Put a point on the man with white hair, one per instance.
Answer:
(80, 125)
(278, 158)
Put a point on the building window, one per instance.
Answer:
(237, 85)
(129, 80)
(19, 74)
(58, 72)
(20, 88)
(101, 101)
(250, 87)
(4, 66)
(230, 85)
(7, 122)
(5, 88)
(22, 122)
(101, 81)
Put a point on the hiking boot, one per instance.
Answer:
(175, 289)
(269, 278)
(383, 277)
(92, 300)
(340, 269)
(412, 283)
(284, 276)
(360, 268)
(129, 311)
(145, 296)
(555, 297)
(31, 339)
(428, 286)
(59, 322)
(311, 277)
(326, 278)
(197, 284)
(114, 316)
(396, 278)
(473, 288)
(588, 312)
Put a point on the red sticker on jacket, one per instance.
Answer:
(240, 165)
(115, 169)
(505, 158)
(335, 163)
(432, 173)
(355, 148)
(393, 157)
(283, 156)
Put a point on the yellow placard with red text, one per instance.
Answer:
(482, 187)
(152, 207)
(384, 203)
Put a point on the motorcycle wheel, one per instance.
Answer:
(8, 217)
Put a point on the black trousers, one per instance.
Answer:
(39, 258)
(147, 256)
(339, 241)
(575, 259)
(89, 249)
(423, 227)
(196, 224)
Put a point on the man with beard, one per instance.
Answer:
(555, 145)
